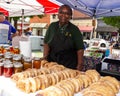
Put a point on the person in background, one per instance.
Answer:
(28, 32)
(63, 42)
(116, 45)
(7, 31)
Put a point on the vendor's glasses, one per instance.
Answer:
(65, 13)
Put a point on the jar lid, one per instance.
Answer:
(17, 65)
(36, 58)
(28, 60)
(16, 47)
(8, 56)
(8, 65)
(7, 62)
(17, 58)
(8, 53)
(1, 64)
(1, 54)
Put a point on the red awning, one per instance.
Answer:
(49, 7)
(4, 11)
(85, 28)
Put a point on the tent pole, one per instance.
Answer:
(22, 22)
(94, 26)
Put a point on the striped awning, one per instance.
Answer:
(85, 28)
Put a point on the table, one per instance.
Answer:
(110, 66)
(8, 88)
(90, 62)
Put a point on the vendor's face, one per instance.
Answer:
(2, 18)
(64, 15)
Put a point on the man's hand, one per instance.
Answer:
(79, 67)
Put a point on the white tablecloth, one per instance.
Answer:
(8, 88)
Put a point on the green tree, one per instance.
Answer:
(113, 21)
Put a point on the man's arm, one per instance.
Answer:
(46, 51)
(80, 54)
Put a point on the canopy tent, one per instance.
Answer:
(30, 7)
(13, 8)
(4, 11)
(49, 7)
(95, 8)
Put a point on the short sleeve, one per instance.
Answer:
(49, 33)
(77, 38)
(13, 30)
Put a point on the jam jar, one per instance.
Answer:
(16, 50)
(7, 49)
(11, 49)
(8, 57)
(36, 62)
(27, 63)
(1, 56)
(8, 70)
(1, 68)
(17, 58)
(18, 67)
(1, 49)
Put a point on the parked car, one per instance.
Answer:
(98, 43)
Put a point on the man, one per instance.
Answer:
(7, 31)
(63, 42)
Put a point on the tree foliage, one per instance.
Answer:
(113, 21)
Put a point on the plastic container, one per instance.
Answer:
(107, 52)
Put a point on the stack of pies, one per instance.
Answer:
(32, 84)
(70, 86)
(106, 86)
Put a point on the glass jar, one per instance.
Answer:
(18, 67)
(27, 63)
(8, 70)
(17, 58)
(1, 49)
(1, 68)
(11, 49)
(1, 56)
(36, 63)
(7, 50)
(16, 50)
(8, 57)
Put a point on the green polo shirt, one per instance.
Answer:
(74, 31)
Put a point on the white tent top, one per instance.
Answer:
(30, 7)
